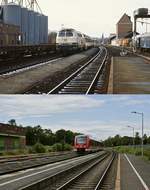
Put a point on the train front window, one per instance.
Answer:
(69, 34)
(62, 33)
(81, 140)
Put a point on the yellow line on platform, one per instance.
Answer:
(117, 184)
(110, 85)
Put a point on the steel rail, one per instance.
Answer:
(89, 91)
(105, 172)
(48, 181)
(73, 75)
(67, 184)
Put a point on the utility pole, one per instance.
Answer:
(142, 114)
(133, 135)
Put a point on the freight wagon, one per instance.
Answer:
(15, 51)
(9, 34)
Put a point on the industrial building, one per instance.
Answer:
(11, 137)
(124, 26)
(33, 25)
(124, 33)
(9, 34)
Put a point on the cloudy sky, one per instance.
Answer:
(92, 17)
(97, 116)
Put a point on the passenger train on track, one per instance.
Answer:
(72, 40)
(84, 143)
(142, 42)
(67, 40)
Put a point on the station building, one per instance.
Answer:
(124, 31)
(11, 137)
(124, 25)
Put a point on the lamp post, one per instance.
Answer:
(133, 134)
(142, 114)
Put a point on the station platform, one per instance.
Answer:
(130, 75)
(134, 173)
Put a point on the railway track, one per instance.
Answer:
(7, 159)
(92, 177)
(18, 164)
(16, 68)
(87, 79)
(88, 174)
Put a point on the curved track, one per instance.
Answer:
(86, 79)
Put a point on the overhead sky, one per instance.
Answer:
(92, 17)
(97, 116)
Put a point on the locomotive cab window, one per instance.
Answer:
(62, 34)
(69, 33)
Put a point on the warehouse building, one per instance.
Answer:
(11, 137)
(9, 34)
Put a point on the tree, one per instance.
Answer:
(145, 139)
(126, 140)
(148, 140)
(30, 136)
(12, 122)
(61, 136)
(137, 139)
(69, 137)
(116, 140)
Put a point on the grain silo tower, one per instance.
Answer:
(12, 14)
(28, 16)
(24, 25)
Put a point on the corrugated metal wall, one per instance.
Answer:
(33, 26)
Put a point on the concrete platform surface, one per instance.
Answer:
(135, 173)
(131, 75)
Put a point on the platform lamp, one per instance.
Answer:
(133, 135)
(142, 115)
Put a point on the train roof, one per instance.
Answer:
(81, 136)
(67, 29)
(143, 35)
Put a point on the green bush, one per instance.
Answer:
(137, 152)
(50, 149)
(39, 148)
(147, 153)
(61, 147)
(31, 150)
(67, 147)
(57, 147)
